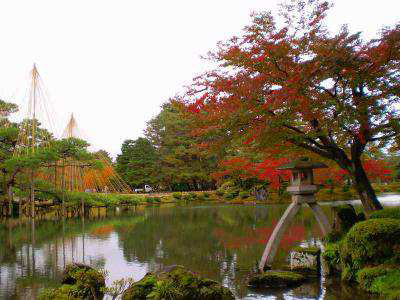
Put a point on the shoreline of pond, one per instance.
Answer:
(233, 219)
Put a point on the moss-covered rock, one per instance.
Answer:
(391, 213)
(275, 279)
(78, 282)
(177, 283)
(381, 279)
(370, 243)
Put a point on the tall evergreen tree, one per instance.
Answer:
(137, 163)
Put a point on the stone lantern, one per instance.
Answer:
(303, 191)
(302, 185)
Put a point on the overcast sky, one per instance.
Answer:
(114, 62)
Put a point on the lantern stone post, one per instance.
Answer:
(303, 191)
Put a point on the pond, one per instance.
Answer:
(221, 242)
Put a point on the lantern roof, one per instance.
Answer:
(302, 163)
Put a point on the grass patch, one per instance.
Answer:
(391, 213)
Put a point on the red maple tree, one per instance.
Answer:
(289, 83)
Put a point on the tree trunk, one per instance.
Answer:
(32, 196)
(364, 188)
(10, 199)
(3, 205)
(63, 188)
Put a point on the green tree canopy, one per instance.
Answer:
(182, 163)
(137, 163)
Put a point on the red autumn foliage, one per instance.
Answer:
(299, 86)
(377, 169)
(265, 170)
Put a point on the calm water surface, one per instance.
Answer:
(220, 242)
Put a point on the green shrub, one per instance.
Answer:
(99, 199)
(392, 213)
(387, 189)
(153, 199)
(177, 195)
(128, 199)
(193, 195)
(371, 242)
(244, 195)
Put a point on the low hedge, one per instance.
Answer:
(153, 199)
(392, 213)
(99, 199)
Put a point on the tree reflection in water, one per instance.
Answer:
(219, 242)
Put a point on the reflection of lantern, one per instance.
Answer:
(302, 180)
(302, 189)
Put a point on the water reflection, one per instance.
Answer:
(220, 242)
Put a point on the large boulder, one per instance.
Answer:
(78, 282)
(306, 260)
(177, 283)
